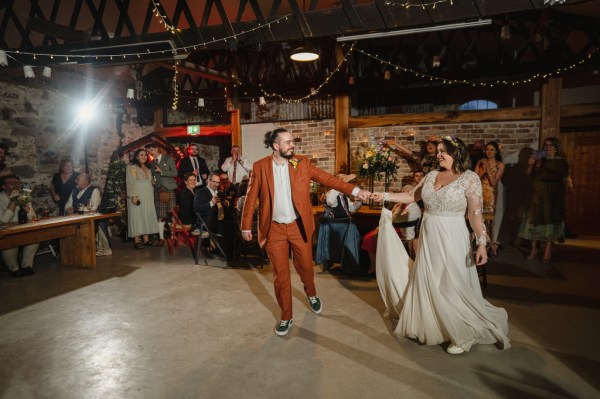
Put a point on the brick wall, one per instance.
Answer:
(511, 135)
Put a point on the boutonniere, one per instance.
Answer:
(294, 162)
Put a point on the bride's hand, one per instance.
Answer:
(377, 197)
(481, 257)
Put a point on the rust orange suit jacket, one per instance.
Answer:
(260, 188)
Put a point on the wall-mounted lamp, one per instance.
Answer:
(327, 132)
(28, 71)
(130, 93)
(201, 102)
(3, 58)
(505, 32)
(387, 75)
(304, 54)
(261, 100)
(436, 61)
(47, 72)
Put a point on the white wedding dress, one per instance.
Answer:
(438, 297)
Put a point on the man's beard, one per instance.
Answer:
(290, 155)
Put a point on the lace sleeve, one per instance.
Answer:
(475, 207)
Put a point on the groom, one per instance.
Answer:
(281, 184)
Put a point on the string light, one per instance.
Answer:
(163, 18)
(175, 89)
(527, 80)
(407, 4)
(148, 51)
(313, 91)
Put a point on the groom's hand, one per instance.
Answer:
(247, 235)
(363, 195)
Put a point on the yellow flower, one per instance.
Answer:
(294, 162)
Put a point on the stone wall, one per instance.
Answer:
(38, 126)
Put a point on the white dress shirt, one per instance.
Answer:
(283, 206)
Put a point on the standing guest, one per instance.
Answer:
(193, 164)
(141, 213)
(4, 170)
(236, 166)
(209, 206)
(280, 183)
(83, 195)
(438, 298)
(490, 170)
(164, 172)
(545, 218)
(9, 214)
(425, 161)
(63, 183)
(186, 200)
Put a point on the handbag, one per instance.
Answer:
(164, 197)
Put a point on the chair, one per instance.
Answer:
(48, 248)
(206, 233)
(180, 233)
(409, 244)
(240, 245)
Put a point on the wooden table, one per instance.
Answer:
(76, 233)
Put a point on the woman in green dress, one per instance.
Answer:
(545, 218)
(141, 214)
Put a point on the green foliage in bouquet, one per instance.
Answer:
(377, 160)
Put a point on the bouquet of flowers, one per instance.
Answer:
(377, 159)
(22, 197)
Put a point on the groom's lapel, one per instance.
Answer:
(270, 178)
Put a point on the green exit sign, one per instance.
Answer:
(193, 130)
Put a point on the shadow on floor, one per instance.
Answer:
(52, 280)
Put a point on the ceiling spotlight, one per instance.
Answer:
(436, 61)
(201, 102)
(130, 93)
(262, 101)
(304, 54)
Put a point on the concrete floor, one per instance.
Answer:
(145, 324)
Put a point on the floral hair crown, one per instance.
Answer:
(451, 139)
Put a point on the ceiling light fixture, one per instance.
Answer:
(434, 28)
(304, 54)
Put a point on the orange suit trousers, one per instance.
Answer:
(282, 238)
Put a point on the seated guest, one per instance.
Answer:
(404, 217)
(208, 205)
(339, 239)
(9, 214)
(186, 200)
(86, 196)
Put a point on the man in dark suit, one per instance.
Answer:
(209, 205)
(193, 164)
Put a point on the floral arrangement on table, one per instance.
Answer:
(22, 197)
(377, 160)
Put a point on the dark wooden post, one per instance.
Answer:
(550, 104)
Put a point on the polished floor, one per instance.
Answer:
(146, 324)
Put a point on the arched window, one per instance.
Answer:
(478, 104)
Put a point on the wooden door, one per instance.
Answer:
(582, 150)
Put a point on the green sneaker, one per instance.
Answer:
(283, 327)
(315, 304)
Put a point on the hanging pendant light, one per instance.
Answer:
(304, 54)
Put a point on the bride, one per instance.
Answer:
(438, 298)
